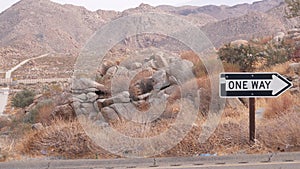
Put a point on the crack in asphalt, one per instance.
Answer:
(48, 165)
(270, 157)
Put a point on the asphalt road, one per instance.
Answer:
(3, 99)
(265, 161)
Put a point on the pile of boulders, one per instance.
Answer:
(130, 90)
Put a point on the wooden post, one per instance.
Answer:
(252, 120)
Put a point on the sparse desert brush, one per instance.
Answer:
(281, 133)
(23, 98)
(61, 139)
(279, 106)
(44, 111)
(190, 56)
(56, 88)
(231, 67)
(282, 68)
(199, 69)
(41, 113)
(230, 137)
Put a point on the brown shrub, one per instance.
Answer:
(199, 69)
(279, 106)
(61, 139)
(44, 113)
(230, 67)
(281, 133)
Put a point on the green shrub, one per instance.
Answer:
(245, 56)
(23, 98)
(256, 55)
(30, 117)
(276, 53)
(293, 8)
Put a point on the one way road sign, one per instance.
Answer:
(253, 85)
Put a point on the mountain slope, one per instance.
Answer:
(279, 13)
(245, 27)
(225, 12)
(33, 27)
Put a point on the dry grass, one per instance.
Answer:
(44, 113)
(279, 130)
(280, 106)
(63, 140)
(281, 133)
(199, 69)
(190, 56)
(229, 67)
(282, 68)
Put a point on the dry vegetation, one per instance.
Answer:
(62, 139)
(278, 129)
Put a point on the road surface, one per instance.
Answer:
(8, 73)
(266, 161)
(3, 99)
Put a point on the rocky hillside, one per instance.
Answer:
(34, 27)
(225, 12)
(279, 13)
(251, 25)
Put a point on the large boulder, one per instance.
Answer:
(86, 85)
(109, 114)
(160, 79)
(238, 43)
(64, 111)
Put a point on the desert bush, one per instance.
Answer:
(277, 52)
(4, 121)
(30, 117)
(23, 98)
(293, 8)
(61, 139)
(243, 55)
(231, 67)
(41, 113)
(281, 133)
(279, 106)
(257, 54)
(199, 69)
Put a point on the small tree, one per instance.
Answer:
(23, 98)
(293, 8)
(279, 52)
(243, 55)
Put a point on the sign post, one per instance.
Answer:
(252, 85)
(252, 119)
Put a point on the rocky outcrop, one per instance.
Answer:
(294, 34)
(64, 111)
(132, 91)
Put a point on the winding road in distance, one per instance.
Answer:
(4, 92)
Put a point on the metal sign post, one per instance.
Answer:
(252, 119)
